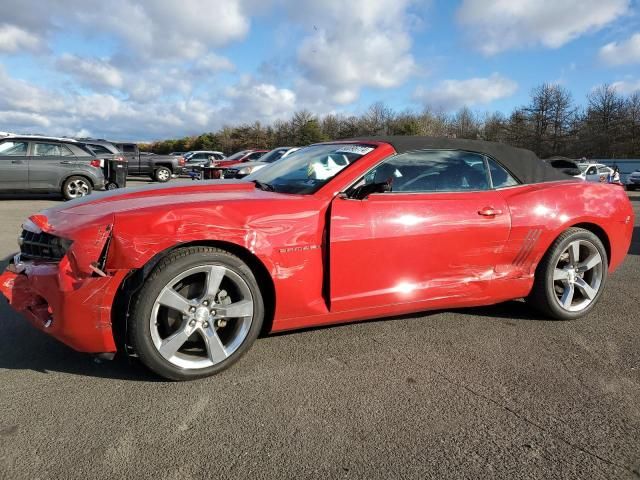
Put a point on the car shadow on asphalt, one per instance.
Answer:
(634, 248)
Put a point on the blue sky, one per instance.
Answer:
(158, 69)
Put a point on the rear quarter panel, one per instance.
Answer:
(540, 213)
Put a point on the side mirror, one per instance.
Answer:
(364, 191)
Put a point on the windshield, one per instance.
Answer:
(237, 155)
(308, 169)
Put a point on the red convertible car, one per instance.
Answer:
(187, 276)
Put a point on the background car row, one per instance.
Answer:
(76, 167)
(628, 171)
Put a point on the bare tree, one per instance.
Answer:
(603, 120)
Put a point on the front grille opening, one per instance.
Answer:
(42, 246)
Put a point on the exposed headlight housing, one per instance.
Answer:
(42, 246)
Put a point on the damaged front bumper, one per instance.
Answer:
(75, 309)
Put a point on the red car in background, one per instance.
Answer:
(187, 276)
(239, 157)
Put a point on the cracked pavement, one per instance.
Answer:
(495, 392)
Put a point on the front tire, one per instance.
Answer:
(197, 313)
(571, 276)
(76, 187)
(162, 174)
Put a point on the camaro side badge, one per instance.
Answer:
(298, 249)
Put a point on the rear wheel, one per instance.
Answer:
(75, 187)
(571, 276)
(197, 313)
(162, 174)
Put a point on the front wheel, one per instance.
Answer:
(198, 312)
(162, 174)
(571, 276)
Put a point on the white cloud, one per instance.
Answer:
(356, 44)
(213, 63)
(622, 53)
(93, 72)
(27, 108)
(453, 94)
(14, 39)
(499, 25)
(156, 29)
(19, 120)
(252, 100)
(627, 87)
(20, 95)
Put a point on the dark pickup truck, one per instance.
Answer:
(159, 167)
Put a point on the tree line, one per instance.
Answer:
(551, 124)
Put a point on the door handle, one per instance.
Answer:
(16, 161)
(489, 212)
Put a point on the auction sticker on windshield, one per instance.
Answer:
(358, 149)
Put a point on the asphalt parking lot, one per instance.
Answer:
(495, 392)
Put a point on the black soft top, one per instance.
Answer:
(523, 164)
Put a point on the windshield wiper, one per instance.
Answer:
(264, 186)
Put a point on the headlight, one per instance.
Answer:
(246, 170)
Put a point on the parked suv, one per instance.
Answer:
(48, 164)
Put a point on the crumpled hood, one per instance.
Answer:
(89, 221)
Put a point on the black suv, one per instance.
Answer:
(48, 164)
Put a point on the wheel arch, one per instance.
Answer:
(599, 232)
(165, 165)
(75, 174)
(136, 278)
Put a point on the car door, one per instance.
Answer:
(49, 165)
(14, 165)
(133, 158)
(604, 173)
(438, 234)
(199, 158)
(591, 174)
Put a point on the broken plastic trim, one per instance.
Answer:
(99, 266)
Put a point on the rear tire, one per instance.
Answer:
(571, 276)
(162, 174)
(111, 186)
(197, 335)
(76, 187)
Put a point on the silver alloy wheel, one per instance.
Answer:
(577, 276)
(201, 316)
(77, 188)
(163, 174)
